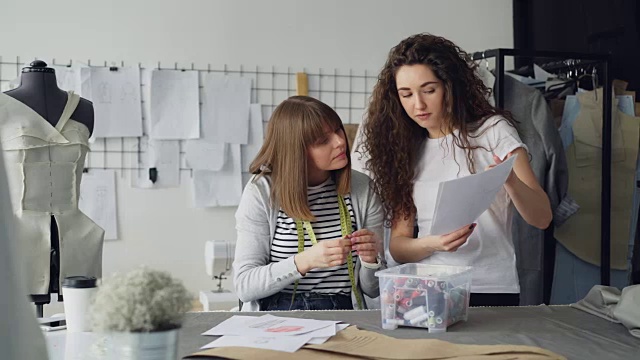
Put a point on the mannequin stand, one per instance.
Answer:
(54, 273)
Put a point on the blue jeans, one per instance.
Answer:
(306, 301)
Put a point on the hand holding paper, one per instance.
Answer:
(498, 161)
(461, 201)
(452, 241)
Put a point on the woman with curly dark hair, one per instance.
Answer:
(429, 121)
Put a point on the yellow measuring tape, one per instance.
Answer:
(345, 227)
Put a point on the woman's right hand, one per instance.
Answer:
(324, 254)
(449, 242)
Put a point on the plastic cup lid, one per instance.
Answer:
(80, 282)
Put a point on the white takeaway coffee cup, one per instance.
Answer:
(78, 292)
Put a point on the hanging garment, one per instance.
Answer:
(580, 234)
(574, 277)
(488, 79)
(44, 166)
(537, 130)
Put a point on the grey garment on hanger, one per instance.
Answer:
(537, 130)
(610, 304)
(20, 336)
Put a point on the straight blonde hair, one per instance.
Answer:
(296, 124)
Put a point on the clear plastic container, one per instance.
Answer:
(426, 296)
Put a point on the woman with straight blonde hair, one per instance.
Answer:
(309, 228)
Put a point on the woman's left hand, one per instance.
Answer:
(367, 244)
(512, 175)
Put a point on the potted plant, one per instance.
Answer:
(141, 312)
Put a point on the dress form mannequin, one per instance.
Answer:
(38, 90)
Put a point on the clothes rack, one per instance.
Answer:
(604, 60)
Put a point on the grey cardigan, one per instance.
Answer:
(255, 277)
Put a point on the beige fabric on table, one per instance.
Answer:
(564, 330)
(353, 343)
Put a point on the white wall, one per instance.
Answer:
(159, 228)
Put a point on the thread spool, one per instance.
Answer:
(415, 312)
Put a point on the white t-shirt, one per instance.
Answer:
(489, 249)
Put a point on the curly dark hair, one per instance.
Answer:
(393, 139)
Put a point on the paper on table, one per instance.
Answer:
(280, 343)
(98, 200)
(219, 188)
(328, 330)
(175, 105)
(461, 201)
(256, 137)
(317, 340)
(164, 156)
(116, 100)
(225, 108)
(269, 325)
(229, 325)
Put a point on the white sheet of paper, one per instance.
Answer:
(164, 155)
(175, 105)
(68, 77)
(219, 188)
(229, 325)
(116, 101)
(279, 343)
(271, 326)
(256, 137)
(318, 340)
(205, 155)
(85, 82)
(98, 200)
(461, 201)
(225, 108)
(145, 81)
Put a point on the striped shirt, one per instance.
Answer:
(323, 203)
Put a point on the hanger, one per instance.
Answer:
(486, 61)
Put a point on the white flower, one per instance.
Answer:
(142, 300)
